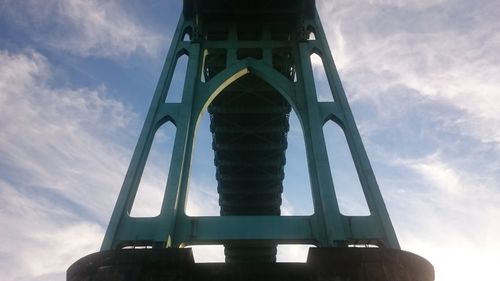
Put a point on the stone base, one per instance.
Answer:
(323, 264)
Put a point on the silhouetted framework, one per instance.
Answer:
(249, 123)
(249, 65)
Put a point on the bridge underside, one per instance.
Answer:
(249, 125)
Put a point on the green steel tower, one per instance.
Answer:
(249, 65)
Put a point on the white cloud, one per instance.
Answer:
(104, 28)
(45, 128)
(434, 53)
(454, 213)
(61, 167)
(40, 240)
(408, 4)
(85, 27)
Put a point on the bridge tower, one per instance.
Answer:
(249, 65)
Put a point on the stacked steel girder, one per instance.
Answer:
(249, 123)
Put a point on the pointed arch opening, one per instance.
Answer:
(152, 185)
(311, 33)
(255, 145)
(323, 90)
(176, 87)
(297, 197)
(188, 31)
(202, 198)
(345, 177)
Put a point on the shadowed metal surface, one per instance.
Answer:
(249, 124)
(322, 264)
(249, 121)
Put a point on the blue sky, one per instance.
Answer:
(76, 78)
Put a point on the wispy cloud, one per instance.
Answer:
(408, 4)
(42, 238)
(434, 54)
(60, 165)
(422, 78)
(85, 28)
(453, 212)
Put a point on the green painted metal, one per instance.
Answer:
(225, 46)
